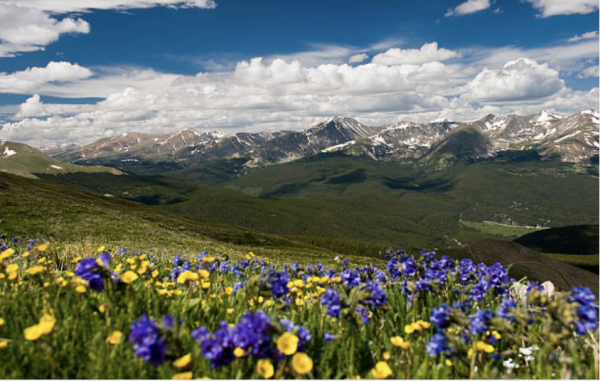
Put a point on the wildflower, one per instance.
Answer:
(301, 363)
(6, 253)
(448, 363)
(44, 327)
(239, 352)
(436, 345)
(1, 322)
(183, 362)
(287, 343)
(264, 368)
(481, 346)
(128, 277)
(328, 337)
(228, 290)
(81, 289)
(87, 269)
(147, 341)
(177, 260)
(183, 376)
(114, 338)
(3, 344)
(35, 270)
(387, 356)
(440, 316)
(397, 341)
(381, 370)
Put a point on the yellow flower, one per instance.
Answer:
(6, 253)
(264, 368)
(114, 338)
(228, 290)
(239, 352)
(187, 275)
(81, 289)
(397, 341)
(387, 356)
(69, 274)
(154, 273)
(205, 285)
(183, 376)
(3, 344)
(103, 307)
(129, 277)
(12, 275)
(287, 343)
(301, 363)
(204, 273)
(35, 269)
(183, 362)
(44, 327)
(42, 248)
(2, 322)
(208, 259)
(481, 346)
(229, 311)
(381, 370)
(76, 259)
(12, 268)
(101, 248)
(448, 362)
(299, 301)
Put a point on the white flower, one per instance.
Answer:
(510, 364)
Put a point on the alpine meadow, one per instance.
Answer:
(230, 189)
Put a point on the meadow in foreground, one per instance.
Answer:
(118, 313)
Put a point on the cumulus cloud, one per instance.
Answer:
(357, 58)
(31, 79)
(523, 79)
(427, 53)
(283, 93)
(468, 7)
(30, 25)
(26, 29)
(585, 36)
(564, 7)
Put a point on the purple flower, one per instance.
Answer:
(147, 342)
(440, 316)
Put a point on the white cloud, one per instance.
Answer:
(275, 93)
(427, 53)
(31, 79)
(585, 36)
(357, 58)
(26, 29)
(564, 7)
(30, 25)
(67, 6)
(468, 7)
(591, 71)
(519, 80)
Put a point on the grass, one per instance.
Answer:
(588, 262)
(54, 326)
(497, 229)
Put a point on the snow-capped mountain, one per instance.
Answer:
(573, 138)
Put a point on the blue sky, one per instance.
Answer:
(150, 57)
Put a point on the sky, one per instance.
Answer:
(77, 71)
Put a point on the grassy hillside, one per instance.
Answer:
(23, 160)
(343, 203)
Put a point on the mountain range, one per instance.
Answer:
(572, 138)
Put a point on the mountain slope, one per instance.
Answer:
(23, 160)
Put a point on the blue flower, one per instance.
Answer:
(148, 344)
(440, 316)
(177, 260)
(328, 337)
(479, 320)
(436, 345)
